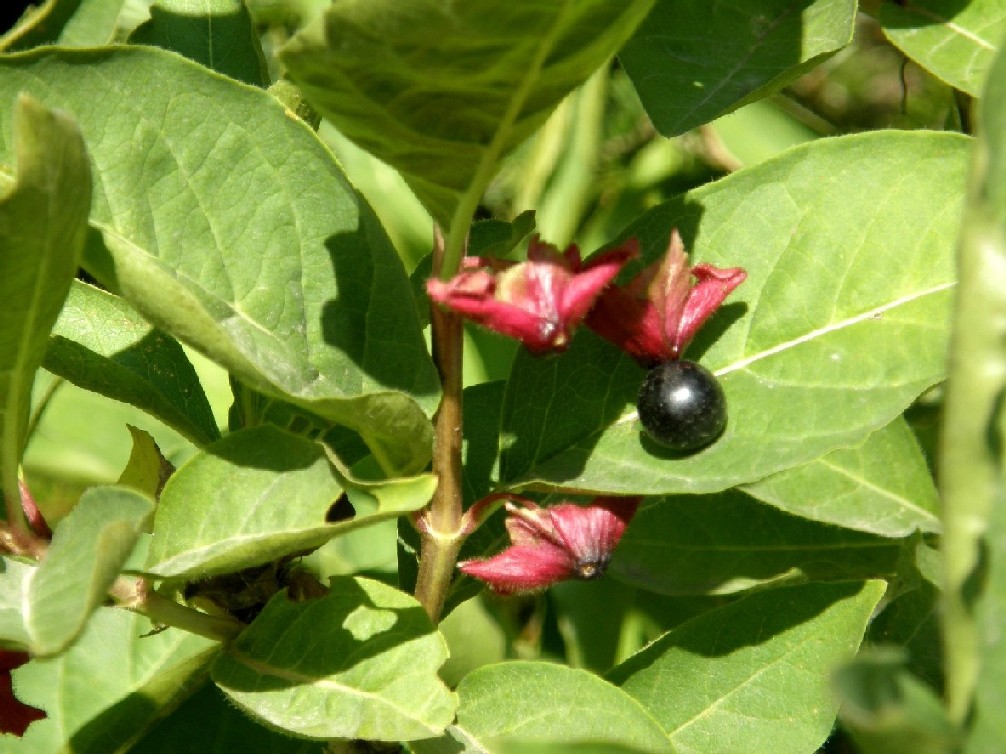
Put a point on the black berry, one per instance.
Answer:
(681, 405)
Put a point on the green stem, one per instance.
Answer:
(442, 529)
(135, 594)
(453, 249)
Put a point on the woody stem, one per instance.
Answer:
(442, 533)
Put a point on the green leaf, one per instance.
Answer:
(721, 544)
(360, 662)
(887, 711)
(831, 336)
(514, 703)
(109, 687)
(14, 579)
(444, 115)
(693, 60)
(88, 550)
(955, 41)
(972, 469)
(973, 473)
(294, 287)
(260, 494)
(753, 675)
(101, 344)
(216, 33)
(881, 485)
(221, 730)
(146, 470)
(43, 221)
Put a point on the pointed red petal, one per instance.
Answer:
(582, 289)
(521, 569)
(713, 286)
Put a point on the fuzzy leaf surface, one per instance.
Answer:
(721, 544)
(111, 685)
(228, 224)
(954, 41)
(753, 675)
(881, 485)
(88, 550)
(43, 222)
(443, 114)
(695, 60)
(101, 344)
(841, 323)
(526, 703)
(360, 662)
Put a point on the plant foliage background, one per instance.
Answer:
(216, 380)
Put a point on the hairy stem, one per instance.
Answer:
(135, 594)
(441, 528)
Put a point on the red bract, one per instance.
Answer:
(657, 314)
(15, 717)
(541, 301)
(565, 541)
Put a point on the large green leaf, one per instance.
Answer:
(101, 344)
(243, 241)
(257, 495)
(973, 454)
(88, 550)
(112, 684)
(720, 544)
(216, 33)
(694, 60)
(525, 703)
(443, 114)
(840, 324)
(754, 675)
(360, 662)
(881, 485)
(43, 221)
(955, 41)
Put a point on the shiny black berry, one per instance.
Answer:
(681, 405)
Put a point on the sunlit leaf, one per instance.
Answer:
(228, 224)
(955, 41)
(841, 323)
(515, 703)
(881, 485)
(360, 662)
(754, 675)
(88, 549)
